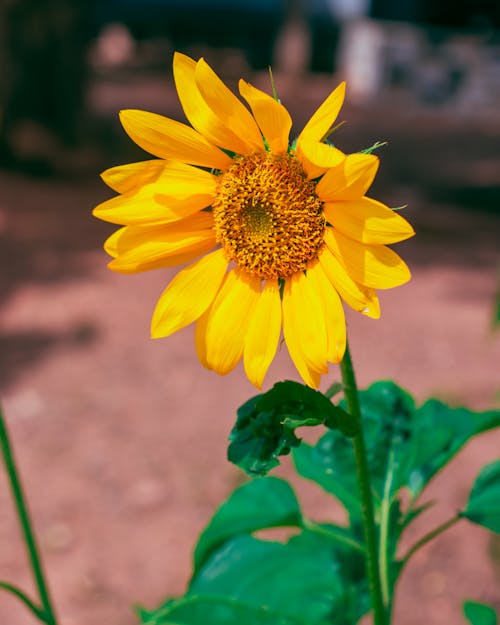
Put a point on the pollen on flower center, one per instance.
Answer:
(267, 215)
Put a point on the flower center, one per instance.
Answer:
(267, 215)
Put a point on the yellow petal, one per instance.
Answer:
(373, 306)
(189, 294)
(273, 118)
(310, 376)
(140, 248)
(333, 312)
(368, 221)
(127, 238)
(263, 334)
(192, 247)
(146, 208)
(198, 112)
(324, 118)
(150, 204)
(358, 297)
(177, 192)
(375, 266)
(128, 178)
(170, 139)
(227, 107)
(182, 181)
(220, 336)
(199, 338)
(304, 328)
(316, 157)
(350, 180)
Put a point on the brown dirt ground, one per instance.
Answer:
(121, 440)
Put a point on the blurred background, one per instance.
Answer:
(121, 440)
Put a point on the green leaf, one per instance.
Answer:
(258, 439)
(330, 463)
(386, 412)
(286, 580)
(266, 424)
(439, 433)
(261, 503)
(354, 600)
(305, 406)
(479, 613)
(296, 399)
(406, 445)
(483, 506)
(214, 610)
(142, 614)
(312, 580)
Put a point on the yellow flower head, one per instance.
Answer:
(278, 234)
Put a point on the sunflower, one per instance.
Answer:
(276, 235)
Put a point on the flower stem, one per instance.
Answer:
(47, 613)
(370, 535)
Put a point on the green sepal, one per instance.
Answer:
(261, 503)
(479, 613)
(266, 424)
(375, 146)
(483, 506)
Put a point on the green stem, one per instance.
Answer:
(385, 510)
(333, 389)
(37, 611)
(428, 537)
(47, 614)
(370, 534)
